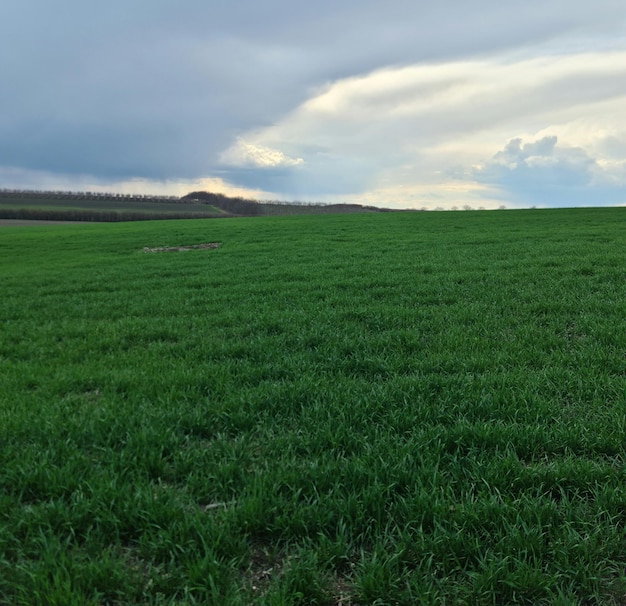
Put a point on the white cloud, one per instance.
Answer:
(545, 173)
(257, 156)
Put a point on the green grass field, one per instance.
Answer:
(420, 408)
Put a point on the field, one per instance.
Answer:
(20, 205)
(59, 206)
(406, 408)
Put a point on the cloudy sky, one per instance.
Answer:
(399, 103)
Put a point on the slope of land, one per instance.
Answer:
(417, 408)
(97, 207)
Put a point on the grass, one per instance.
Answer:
(421, 408)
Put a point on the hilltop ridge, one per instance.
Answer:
(109, 207)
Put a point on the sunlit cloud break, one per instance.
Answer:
(246, 154)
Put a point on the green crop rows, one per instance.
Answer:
(424, 408)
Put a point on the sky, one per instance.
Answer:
(398, 104)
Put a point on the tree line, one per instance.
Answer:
(82, 195)
(94, 216)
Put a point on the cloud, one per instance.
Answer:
(257, 156)
(544, 173)
(516, 152)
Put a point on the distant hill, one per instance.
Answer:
(254, 208)
(98, 207)
(32, 205)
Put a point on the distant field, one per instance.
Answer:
(18, 205)
(74, 207)
(409, 408)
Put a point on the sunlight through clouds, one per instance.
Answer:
(12, 178)
(248, 154)
(424, 127)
